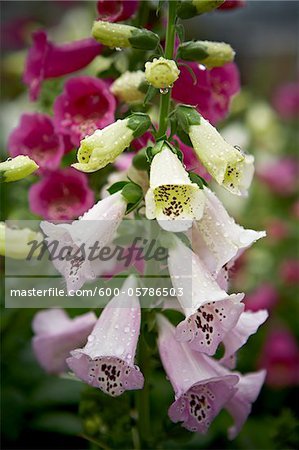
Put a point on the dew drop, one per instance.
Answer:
(164, 91)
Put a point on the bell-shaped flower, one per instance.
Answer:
(104, 146)
(48, 60)
(107, 360)
(217, 238)
(35, 137)
(14, 169)
(210, 312)
(116, 11)
(200, 393)
(55, 335)
(85, 105)
(61, 195)
(172, 198)
(248, 324)
(14, 243)
(94, 230)
(128, 87)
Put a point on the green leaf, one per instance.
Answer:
(180, 31)
(118, 186)
(140, 160)
(197, 179)
(150, 95)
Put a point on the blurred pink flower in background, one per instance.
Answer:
(232, 4)
(286, 100)
(280, 175)
(211, 93)
(289, 271)
(277, 229)
(116, 10)
(61, 195)
(142, 141)
(264, 297)
(48, 60)
(280, 357)
(35, 137)
(85, 105)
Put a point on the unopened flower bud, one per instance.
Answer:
(104, 146)
(15, 169)
(211, 54)
(191, 8)
(161, 73)
(127, 87)
(120, 36)
(15, 243)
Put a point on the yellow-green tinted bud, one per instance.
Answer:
(211, 54)
(15, 243)
(17, 168)
(161, 73)
(121, 36)
(126, 87)
(191, 8)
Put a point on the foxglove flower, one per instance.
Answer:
(85, 105)
(161, 73)
(172, 198)
(280, 175)
(61, 195)
(96, 226)
(213, 91)
(107, 360)
(116, 10)
(199, 392)
(14, 242)
(289, 271)
(286, 100)
(211, 54)
(217, 238)
(48, 60)
(247, 325)
(127, 87)
(103, 146)
(56, 335)
(264, 297)
(210, 312)
(35, 137)
(231, 4)
(15, 169)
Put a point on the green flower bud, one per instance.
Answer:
(15, 243)
(104, 146)
(119, 35)
(211, 54)
(17, 168)
(126, 87)
(191, 8)
(161, 73)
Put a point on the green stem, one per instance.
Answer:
(143, 406)
(169, 46)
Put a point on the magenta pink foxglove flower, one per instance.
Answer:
(116, 10)
(35, 137)
(212, 92)
(107, 360)
(61, 195)
(289, 271)
(280, 175)
(231, 4)
(56, 335)
(248, 324)
(280, 357)
(48, 60)
(95, 228)
(85, 105)
(264, 297)
(210, 312)
(199, 392)
(286, 100)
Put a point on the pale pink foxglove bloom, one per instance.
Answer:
(85, 105)
(248, 324)
(61, 195)
(107, 360)
(210, 312)
(199, 392)
(280, 175)
(96, 226)
(286, 100)
(264, 297)
(35, 137)
(247, 390)
(116, 10)
(172, 198)
(213, 91)
(217, 238)
(56, 334)
(48, 60)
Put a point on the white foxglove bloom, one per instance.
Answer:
(104, 146)
(71, 243)
(228, 165)
(14, 243)
(172, 198)
(127, 87)
(247, 325)
(15, 169)
(210, 312)
(217, 238)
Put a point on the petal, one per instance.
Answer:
(166, 169)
